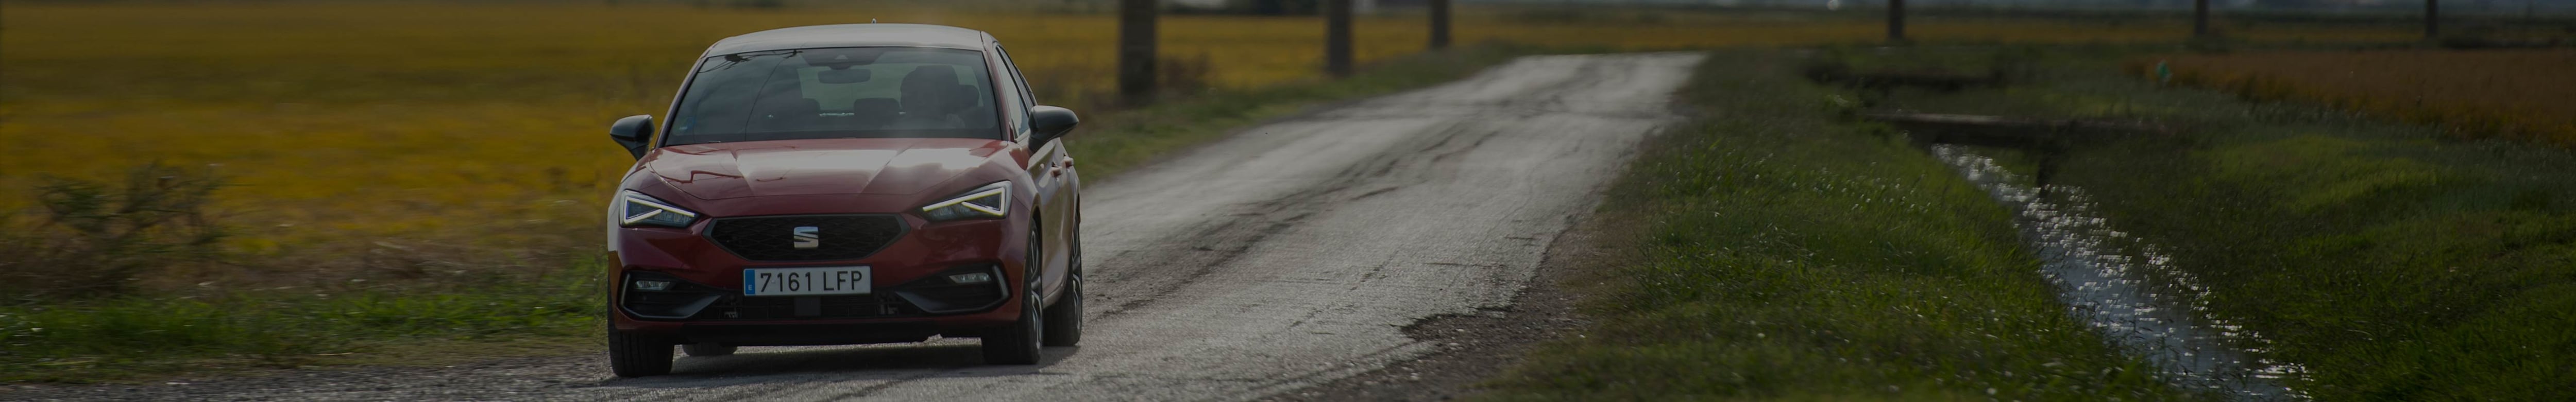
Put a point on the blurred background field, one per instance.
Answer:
(363, 140)
(405, 169)
(2518, 94)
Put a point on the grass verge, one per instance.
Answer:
(2392, 261)
(1783, 253)
(114, 339)
(139, 336)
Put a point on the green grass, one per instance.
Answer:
(121, 338)
(2392, 262)
(1782, 253)
(143, 335)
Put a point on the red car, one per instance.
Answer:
(846, 184)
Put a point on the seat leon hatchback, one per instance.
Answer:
(846, 184)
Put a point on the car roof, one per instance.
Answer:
(852, 35)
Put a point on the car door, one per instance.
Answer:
(1048, 168)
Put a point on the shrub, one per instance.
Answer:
(96, 239)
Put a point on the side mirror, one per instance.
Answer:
(633, 132)
(1048, 123)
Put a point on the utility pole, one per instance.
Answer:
(2432, 19)
(1896, 21)
(1136, 50)
(1337, 37)
(2200, 18)
(1439, 24)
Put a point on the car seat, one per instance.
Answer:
(932, 97)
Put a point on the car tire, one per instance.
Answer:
(707, 349)
(633, 355)
(1017, 343)
(1064, 319)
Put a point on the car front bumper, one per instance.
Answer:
(910, 300)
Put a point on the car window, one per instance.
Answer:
(1026, 97)
(1015, 103)
(865, 92)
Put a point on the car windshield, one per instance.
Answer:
(859, 92)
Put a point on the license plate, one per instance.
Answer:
(805, 281)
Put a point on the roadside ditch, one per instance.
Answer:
(2124, 288)
(2117, 284)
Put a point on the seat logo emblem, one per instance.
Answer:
(807, 238)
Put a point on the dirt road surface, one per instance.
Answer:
(1288, 255)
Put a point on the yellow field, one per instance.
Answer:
(2519, 94)
(479, 127)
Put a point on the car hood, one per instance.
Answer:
(817, 166)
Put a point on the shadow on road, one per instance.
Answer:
(947, 358)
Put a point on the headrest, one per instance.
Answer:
(931, 74)
(933, 88)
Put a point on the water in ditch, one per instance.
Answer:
(2128, 290)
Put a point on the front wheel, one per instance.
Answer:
(1017, 343)
(634, 355)
(1064, 319)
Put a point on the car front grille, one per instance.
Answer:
(836, 237)
(837, 306)
(685, 300)
(688, 303)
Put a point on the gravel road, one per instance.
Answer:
(1288, 255)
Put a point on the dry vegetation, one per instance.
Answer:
(2516, 94)
(400, 141)
(403, 171)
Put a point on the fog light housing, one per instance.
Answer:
(655, 286)
(970, 278)
(957, 290)
(655, 295)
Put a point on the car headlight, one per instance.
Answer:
(644, 210)
(989, 201)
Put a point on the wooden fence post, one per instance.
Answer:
(1896, 21)
(1439, 24)
(2432, 19)
(2199, 18)
(1337, 37)
(1136, 50)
